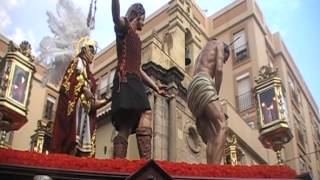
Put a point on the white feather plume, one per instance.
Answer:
(68, 26)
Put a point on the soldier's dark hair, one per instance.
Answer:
(134, 11)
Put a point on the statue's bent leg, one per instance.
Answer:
(217, 124)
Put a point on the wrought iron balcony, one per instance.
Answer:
(244, 101)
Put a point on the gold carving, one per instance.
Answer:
(232, 150)
(265, 73)
(232, 141)
(66, 86)
(44, 125)
(70, 107)
(93, 144)
(24, 48)
(81, 82)
(12, 47)
(66, 80)
(81, 79)
(5, 80)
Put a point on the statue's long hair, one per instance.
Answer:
(134, 11)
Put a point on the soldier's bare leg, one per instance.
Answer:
(144, 135)
(120, 142)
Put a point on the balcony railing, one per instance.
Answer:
(244, 101)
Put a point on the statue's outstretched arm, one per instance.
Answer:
(118, 21)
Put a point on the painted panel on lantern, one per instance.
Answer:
(269, 106)
(19, 85)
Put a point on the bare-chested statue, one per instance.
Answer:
(203, 99)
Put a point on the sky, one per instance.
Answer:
(296, 20)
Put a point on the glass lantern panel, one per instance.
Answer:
(268, 104)
(19, 84)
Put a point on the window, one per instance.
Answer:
(187, 56)
(106, 83)
(290, 82)
(48, 111)
(244, 97)
(103, 85)
(187, 47)
(240, 46)
(167, 43)
(293, 90)
(284, 100)
(270, 59)
(301, 132)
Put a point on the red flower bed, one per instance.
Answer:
(125, 166)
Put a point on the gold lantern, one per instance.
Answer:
(233, 154)
(41, 138)
(272, 120)
(16, 71)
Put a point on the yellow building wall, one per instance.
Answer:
(173, 19)
(21, 140)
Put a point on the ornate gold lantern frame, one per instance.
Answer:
(17, 69)
(16, 72)
(272, 119)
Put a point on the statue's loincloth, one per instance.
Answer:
(201, 91)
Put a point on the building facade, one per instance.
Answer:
(172, 39)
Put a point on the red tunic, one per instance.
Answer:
(64, 130)
(128, 51)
